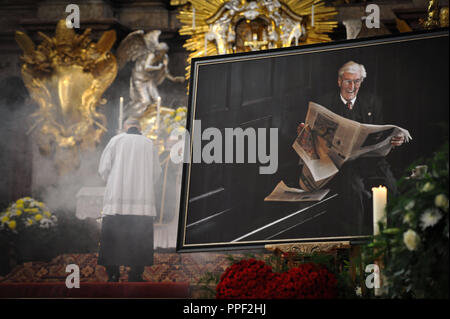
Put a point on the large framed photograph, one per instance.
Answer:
(285, 145)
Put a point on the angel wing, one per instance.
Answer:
(131, 48)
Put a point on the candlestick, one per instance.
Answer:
(312, 15)
(158, 111)
(379, 207)
(121, 113)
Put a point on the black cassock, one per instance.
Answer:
(126, 240)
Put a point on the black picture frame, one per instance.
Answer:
(409, 70)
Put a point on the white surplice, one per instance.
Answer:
(130, 166)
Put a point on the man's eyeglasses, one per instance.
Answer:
(356, 82)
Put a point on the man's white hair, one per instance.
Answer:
(353, 67)
(130, 122)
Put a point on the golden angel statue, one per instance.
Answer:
(150, 69)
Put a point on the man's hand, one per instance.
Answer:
(397, 140)
(300, 127)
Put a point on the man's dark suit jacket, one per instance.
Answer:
(367, 108)
(372, 170)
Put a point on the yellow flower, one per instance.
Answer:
(19, 206)
(47, 213)
(40, 204)
(5, 219)
(169, 129)
(12, 224)
(19, 202)
(178, 118)
(38, 217)
(18, 212)
(29, 221)
(27, 198)
(181, 109)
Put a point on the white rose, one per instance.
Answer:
(427, 187)
(410, 204)
(411, 239)
(441, 201)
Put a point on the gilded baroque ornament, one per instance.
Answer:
(309, 248)
(432, 20)
(231, 26)
(67, 75)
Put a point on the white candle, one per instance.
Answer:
(379, 215)
(121, 113)
(193, 18)
(312, 15)
(379, 207)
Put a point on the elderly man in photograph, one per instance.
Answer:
(356, 177)
(131, 168)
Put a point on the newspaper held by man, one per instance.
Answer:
(328, 140)
(336, 140)
(349, 139)
(312, 149)
(283, 193)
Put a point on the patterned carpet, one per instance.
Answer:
(168, 267)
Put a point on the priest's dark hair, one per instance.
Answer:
(132, 122)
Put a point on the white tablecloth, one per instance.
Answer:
(90, 204)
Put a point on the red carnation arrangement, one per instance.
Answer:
(253, 279)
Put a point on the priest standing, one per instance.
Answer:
(130, 167)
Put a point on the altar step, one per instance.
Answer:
(95, 290)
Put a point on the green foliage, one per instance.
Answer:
(207, 284)
(414, 247)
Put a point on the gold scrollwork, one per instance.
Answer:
(309, 248)
(67, 75)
